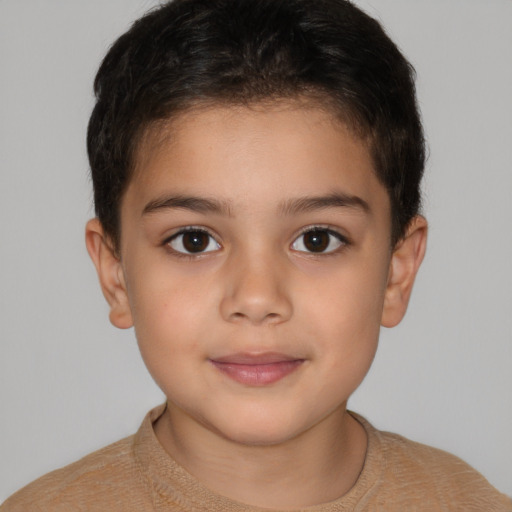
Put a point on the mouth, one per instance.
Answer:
(257, 370)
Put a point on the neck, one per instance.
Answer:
(319, 466)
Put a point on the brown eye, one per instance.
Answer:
(193, 242)
(318, 241)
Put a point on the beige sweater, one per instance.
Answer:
(136, 474)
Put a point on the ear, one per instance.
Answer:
(110, 273)
(405, 262)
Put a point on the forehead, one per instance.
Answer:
(253, 155)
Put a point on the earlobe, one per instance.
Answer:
(404, 265)
(110, 274)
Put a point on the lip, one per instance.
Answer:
(257, 369)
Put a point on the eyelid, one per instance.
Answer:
(190, 229)
(343, 239)
(330, 230)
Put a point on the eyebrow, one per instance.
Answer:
(289, 207)
(334, 200)
(196, 204)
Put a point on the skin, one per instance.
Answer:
(258, 289)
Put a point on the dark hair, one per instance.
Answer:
(245, 51)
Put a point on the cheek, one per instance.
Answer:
(169, 314)
(349, 298)
(351, 336)
(344, 321)
(168, 333)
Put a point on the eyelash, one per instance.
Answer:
(184, 231)
(331, 233)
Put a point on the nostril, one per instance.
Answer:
(238, 316)
(255, 298)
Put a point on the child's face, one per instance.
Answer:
(255, 265)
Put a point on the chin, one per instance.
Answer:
(258, 438)
(260, 431)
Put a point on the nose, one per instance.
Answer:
(256, 291)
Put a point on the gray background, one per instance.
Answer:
(70, 383)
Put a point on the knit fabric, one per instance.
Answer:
(136, 474)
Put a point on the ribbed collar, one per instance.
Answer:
(172, 487)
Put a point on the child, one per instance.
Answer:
(256, 168)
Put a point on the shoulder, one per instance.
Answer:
(443, 479)
(79, 486)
